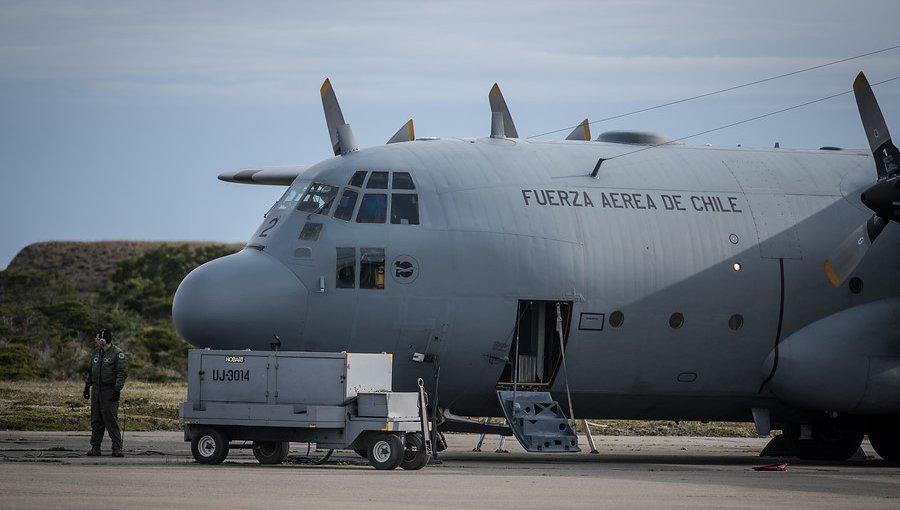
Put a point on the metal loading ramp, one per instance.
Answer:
(537, 421)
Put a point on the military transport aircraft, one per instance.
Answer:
(629, 276)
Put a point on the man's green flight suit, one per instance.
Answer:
(109, 369)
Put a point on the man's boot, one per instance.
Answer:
(93, 452)
(118, 453)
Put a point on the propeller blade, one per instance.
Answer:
(852, 250)
(342, 139)
(405, 134)
(887, 157)
(581, 132)
(498, 106)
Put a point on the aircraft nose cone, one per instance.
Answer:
(239, 302)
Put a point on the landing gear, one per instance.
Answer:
(886, 445)
(270, 452)
(823, 443)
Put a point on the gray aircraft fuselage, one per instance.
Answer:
(679, 268)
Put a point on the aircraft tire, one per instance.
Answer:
(209, 445)
(414, 457)
(385, 451)
(271, 452)
(887, 446)
(825, 444)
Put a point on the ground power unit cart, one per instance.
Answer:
(272, 398)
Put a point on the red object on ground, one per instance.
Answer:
(772, 467)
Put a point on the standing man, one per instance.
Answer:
(107, 375)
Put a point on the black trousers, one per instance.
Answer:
(104, 417)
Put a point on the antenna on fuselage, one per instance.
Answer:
(597, 168)
(342, 139)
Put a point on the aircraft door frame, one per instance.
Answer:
(535, 356)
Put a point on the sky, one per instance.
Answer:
(116, 117)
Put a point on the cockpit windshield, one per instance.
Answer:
(318, 199)
(291, 197)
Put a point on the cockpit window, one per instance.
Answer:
(290, 198)
(311, 231)
(345, 206)
(373, 208)
(402, 180)
(405, 209)
(371, 268)
(318, 199)
(345, 276)
(358, 178)
(378, 180)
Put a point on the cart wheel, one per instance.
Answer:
(385, 451)
(414, 457)
(209, 445)
(270, 452)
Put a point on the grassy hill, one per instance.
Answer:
(55, 295)
(89, 265)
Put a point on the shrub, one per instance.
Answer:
(17, 362)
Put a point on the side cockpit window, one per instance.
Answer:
(371, 268)
(346, 268)
(370, 265)
(318, 199)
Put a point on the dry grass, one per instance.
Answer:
(671, 428)
(57, 405)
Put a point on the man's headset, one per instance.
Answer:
(105, 336)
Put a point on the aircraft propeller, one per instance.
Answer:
(342, 139)
(883, 197)
(581, 132)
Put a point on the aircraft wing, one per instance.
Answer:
(276, 176)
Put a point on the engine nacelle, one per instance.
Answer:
(848, 362)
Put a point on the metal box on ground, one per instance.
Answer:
(337, 400)
(307, 378)
(391, 405)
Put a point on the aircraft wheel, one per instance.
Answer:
(209, 445)
(385, 451)
(271, 452)
(825, 444)
(887, 446)
(414, 457)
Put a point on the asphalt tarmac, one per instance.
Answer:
(48, 470)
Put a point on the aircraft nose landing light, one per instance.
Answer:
(239, 302)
